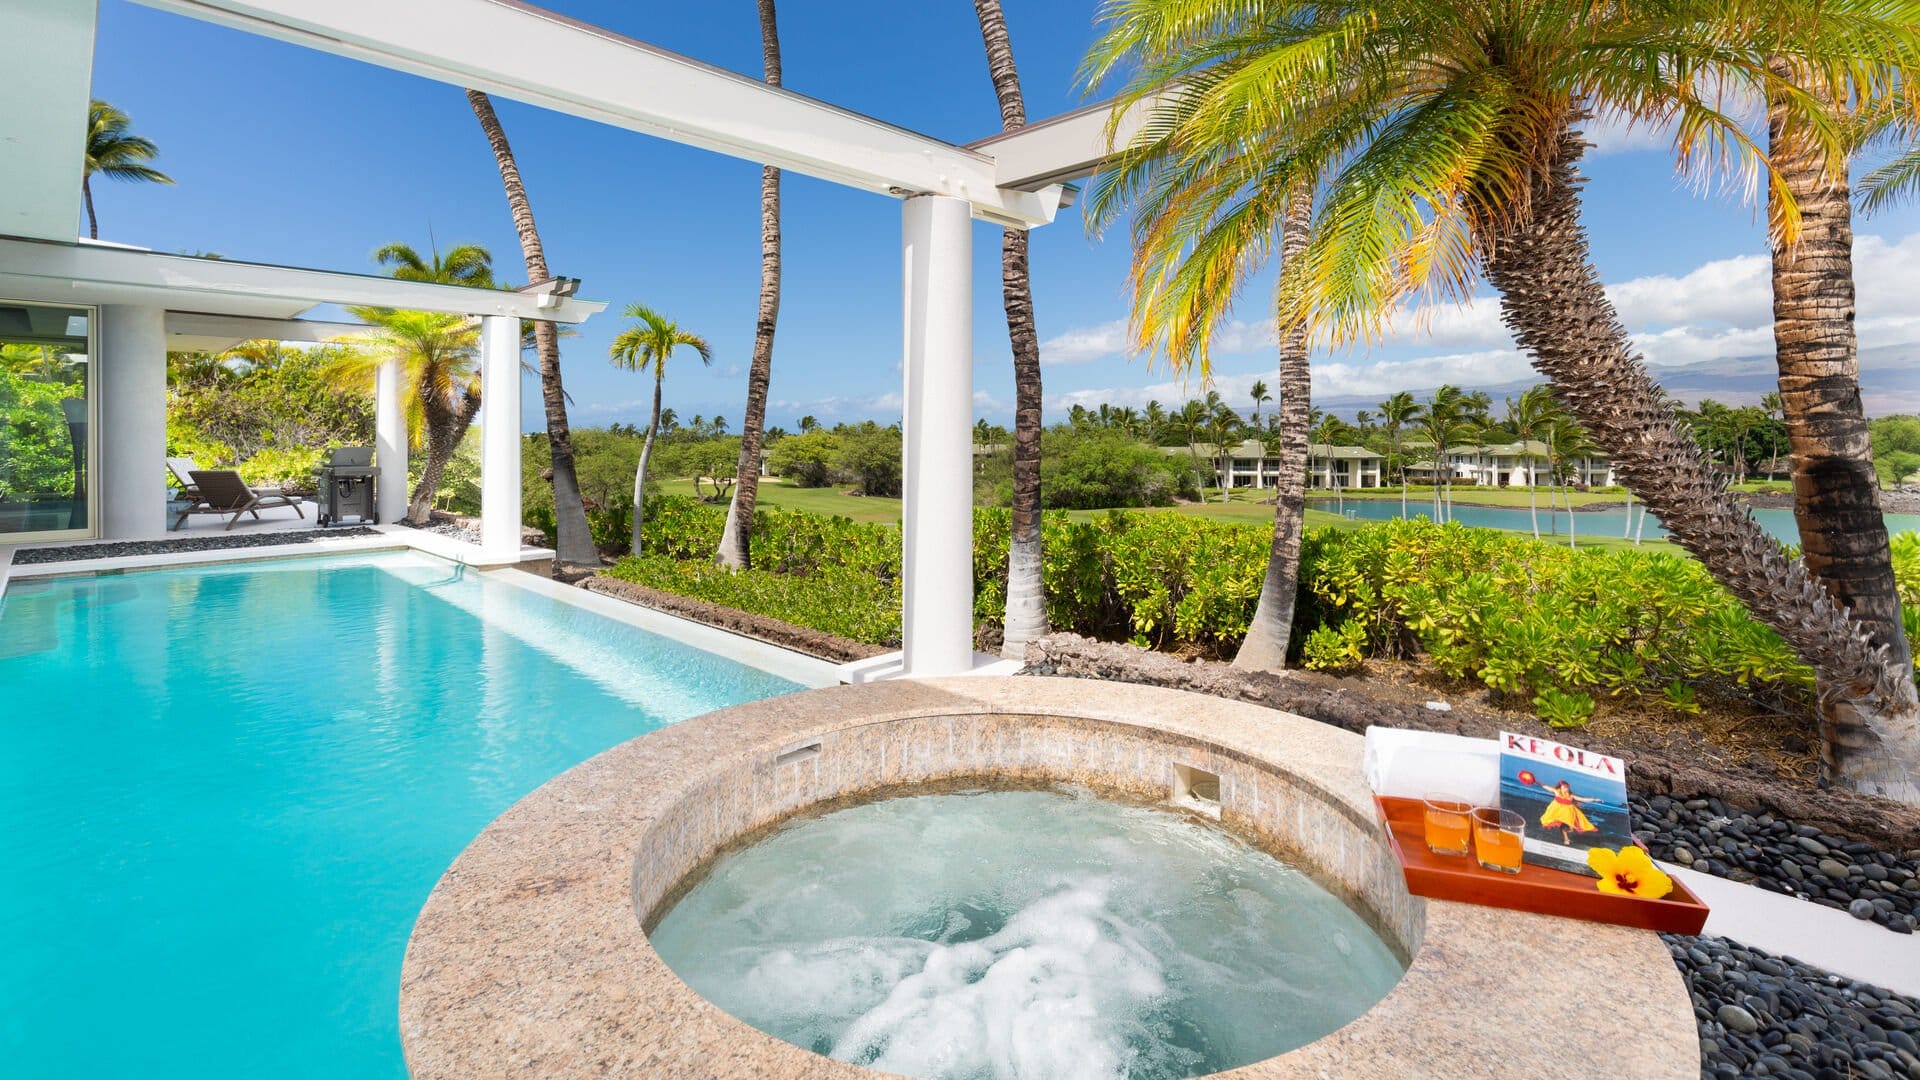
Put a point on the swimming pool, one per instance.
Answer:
(227, 790)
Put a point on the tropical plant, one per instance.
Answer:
(646, 345)
(466, 264)
(1529, 417)
(1448, 136)
(1397, 412)
(573, 538)
(735, 550)
(1271, 632)
(1027, 609)
(438, 357)
(1836, 500)
(115, 152)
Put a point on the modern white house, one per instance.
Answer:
(1515, 464)
(109, 315)
(1251, 464)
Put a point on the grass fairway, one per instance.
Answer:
(1242, 509)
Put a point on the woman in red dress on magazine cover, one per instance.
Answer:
(1564, 813)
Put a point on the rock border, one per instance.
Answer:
(745, 623)
(117, 549)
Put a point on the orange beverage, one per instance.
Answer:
(1448, 825)
(1496, 839)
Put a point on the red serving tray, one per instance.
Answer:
(1534, 888)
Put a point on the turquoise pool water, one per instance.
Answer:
(228, 790)
(1777, 521)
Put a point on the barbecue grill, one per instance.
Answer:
(346, 486)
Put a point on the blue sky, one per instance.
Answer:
(286, 155)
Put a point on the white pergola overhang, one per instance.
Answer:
(518, 51)
(152, 304)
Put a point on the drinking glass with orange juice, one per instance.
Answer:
(1448, 824)
(1496, 839)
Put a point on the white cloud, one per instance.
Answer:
(1718, 311)
(1086, 344)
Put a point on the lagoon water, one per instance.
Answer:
(1586, 523)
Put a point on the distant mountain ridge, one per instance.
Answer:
(1889, 383)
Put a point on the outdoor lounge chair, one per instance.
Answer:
(221, 491)
(182, 470)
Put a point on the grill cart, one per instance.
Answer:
(346, 486)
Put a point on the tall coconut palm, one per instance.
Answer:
(1026, 615)
(573, 540)
(1843, 536)
(1452, 146)
(645, 345)
(1397, 412)
(115, 152)
(1529, 417)
(440, 371)
(736, 539)
(1271, 632)
(1260, 397)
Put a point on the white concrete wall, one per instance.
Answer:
(130, 376)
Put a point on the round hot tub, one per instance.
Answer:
(1028, 933)
(997, 877)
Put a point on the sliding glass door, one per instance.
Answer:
(46, 431)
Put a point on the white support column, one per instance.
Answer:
(500, 437)
(389, 444)
(131, 379)
(937, 275)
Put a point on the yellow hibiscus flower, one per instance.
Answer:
(1629, 872)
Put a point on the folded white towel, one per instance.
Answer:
(1414, 764)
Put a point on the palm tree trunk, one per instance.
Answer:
(736, 540)
(573, 539)
(86, 195)
(1397, 456)
(1026, 615)
(1271, 632)
(445, 428)
(646, 451)
(1843, 537)
(1640, 526)
(1533, 502)
(1552, 299)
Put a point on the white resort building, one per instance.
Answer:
(1252, 464)
(1515, 464)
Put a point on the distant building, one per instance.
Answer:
(1254, 466)
(1516, 464)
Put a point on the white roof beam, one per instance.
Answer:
(1061, 148)
(193, 331)
(532, 55)
(194, 283)
(43, 114)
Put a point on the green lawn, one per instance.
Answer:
(831, 501)
(1244, 508)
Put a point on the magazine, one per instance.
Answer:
(1572, 800)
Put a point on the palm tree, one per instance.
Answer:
(1192, 422)
(467, 264)
(1260, 397)
(637, 348)
(439, 364)
(809, 424)
(1026, 614)
(1448, 137)
(1843, 536)
(1529, 417)
(1567, 442)
(1271, 632)
(113, 151)
(1397, 412)
(736, 539)
(573, 539)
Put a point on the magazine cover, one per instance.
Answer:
(1571, 800)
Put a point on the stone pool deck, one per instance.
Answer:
(529, 958)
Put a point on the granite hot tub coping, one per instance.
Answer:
(529, 957)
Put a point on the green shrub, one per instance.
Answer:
(836, 601)
(1563, 710)
(289, 470)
